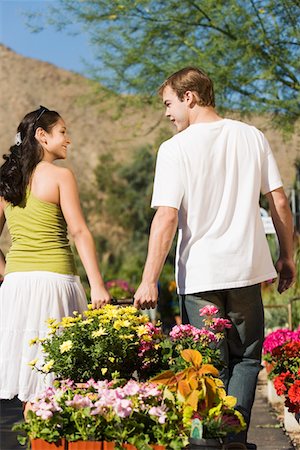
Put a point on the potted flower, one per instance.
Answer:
(104, 414)
(208, 412)
(286, 373)
(204, 340)
(275, 340)
(159, 352)
(98, 344)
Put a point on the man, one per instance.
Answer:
(207, 183)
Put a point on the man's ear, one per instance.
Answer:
(190, 98)
(40, 135)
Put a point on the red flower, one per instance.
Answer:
(282, 382)
(294, 396)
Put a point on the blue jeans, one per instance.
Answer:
(241, 349)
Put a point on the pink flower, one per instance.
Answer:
(208, 310)
(123, 407)
(79, 401)
(160, 412)
(131, 388)
(44, 414)
(279, 337)
(220, 324)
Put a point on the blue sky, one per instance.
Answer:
(56, 47)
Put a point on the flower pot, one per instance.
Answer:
(108, 445)
(111, 446)
(40, 444)
(158, 447)
(204, 444)
(85, 445)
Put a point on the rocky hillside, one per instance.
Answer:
(96, 121)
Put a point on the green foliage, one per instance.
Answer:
(97, 345)
(251, 49)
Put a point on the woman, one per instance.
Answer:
(39, 201)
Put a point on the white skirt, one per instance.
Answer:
(27, 300)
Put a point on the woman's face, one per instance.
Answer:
(57, 141)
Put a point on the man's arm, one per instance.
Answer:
(283, 223)
(163, 229)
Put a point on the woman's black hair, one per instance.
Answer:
(24, 156)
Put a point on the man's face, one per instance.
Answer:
(176, 110)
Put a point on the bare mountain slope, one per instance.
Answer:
(93, 119)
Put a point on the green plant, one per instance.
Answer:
(202, 396)
(99, 344)
(136, 413)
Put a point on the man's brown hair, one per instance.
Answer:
(194, 80)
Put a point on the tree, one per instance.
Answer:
(250, 48)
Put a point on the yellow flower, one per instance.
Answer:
(141, 330)
(104, 370)
(100, 332)
(33, 341)
(127, 336)
(118, 324)
(86, 322)
(111, 359)
(69, 321)
(126, 323)
(65, 346)
(46, 368)
(50, 321)
(33, 362)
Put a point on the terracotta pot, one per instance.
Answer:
(111, 446)
(158, 447)
(108, 445)
(85, 445)
(40, 444)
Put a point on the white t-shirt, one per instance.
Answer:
(213, 174)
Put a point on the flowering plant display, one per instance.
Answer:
(282, 349)
(115, 342)
(100, 344)
(288, 385)
(120, 289)
(204, 340)
(135, 413)
(276, 339)
(202, 396)
(120, 349)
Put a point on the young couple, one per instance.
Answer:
(207, 184)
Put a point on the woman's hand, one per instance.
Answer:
(99, 297)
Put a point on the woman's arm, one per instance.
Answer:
(70, 205)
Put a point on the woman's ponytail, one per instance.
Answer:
(11, 177)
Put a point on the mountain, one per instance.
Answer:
(94, 117)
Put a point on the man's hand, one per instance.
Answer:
(146, 296)
(287, 273)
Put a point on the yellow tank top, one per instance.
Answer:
(38, 232)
